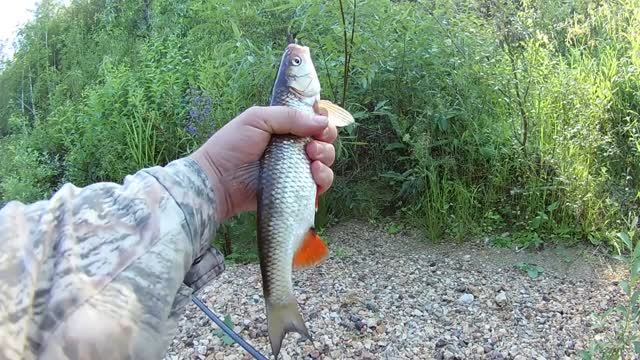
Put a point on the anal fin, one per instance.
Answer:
(312, 251)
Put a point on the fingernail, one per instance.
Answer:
(312, 148)
(325, 134)
(320, 120)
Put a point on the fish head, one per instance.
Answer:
(298, 74)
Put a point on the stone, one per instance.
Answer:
(466, 299)
(501, 298)
(201, 349)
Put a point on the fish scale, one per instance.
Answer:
(288, 197)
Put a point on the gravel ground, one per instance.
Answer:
(382, 296)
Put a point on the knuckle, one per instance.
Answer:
(254, 110)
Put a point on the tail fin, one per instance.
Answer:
(281, 319)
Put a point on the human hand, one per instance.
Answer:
(244, 139)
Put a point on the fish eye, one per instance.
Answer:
(296, 61)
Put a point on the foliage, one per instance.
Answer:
(626, 338)
(29, 170)
(472, 117)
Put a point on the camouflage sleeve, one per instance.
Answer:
(104, 271)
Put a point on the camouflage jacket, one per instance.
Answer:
(103, 272)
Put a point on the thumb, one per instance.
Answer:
(286, 120)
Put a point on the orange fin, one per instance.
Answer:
(312, 251)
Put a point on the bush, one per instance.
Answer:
(26, 173)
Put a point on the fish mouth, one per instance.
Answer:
(298, 49)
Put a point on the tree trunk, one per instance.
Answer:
(33, 105)
(22, 93)
(147, 20)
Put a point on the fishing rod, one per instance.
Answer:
(232, 334)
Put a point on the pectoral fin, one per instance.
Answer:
(246, 177)
(336, 114)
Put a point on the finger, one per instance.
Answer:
(322, 152)
(329, 135)
(286, 120)
(323, 175)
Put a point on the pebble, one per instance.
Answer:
(409, 307)
(367, 355)
(371, 306)
(201, 349)
(501, 298)
(371, 323)
(448, 355)
(466, 298)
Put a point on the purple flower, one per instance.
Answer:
(200, 106)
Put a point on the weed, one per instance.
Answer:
(532, 270)
(226, 339)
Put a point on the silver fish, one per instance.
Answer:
(287, 197)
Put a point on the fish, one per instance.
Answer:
(287, 197)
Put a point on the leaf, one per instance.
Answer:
(586, 355)
(223, 335)
(393, 229)
(381, 105)
(624, 284)
(634, 297)
(636, 347)
(227, 320)
(532, 270)
(625, 239)
(488, 152)
(621, 309)
(227, 340)
(635, 269)
(394, 146)
(236, 31)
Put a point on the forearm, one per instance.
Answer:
(99, 271)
